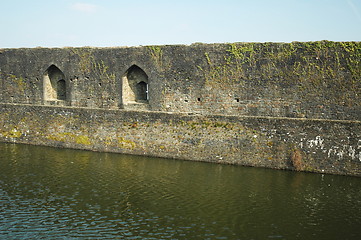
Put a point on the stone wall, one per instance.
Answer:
(286, 106)
(297, 144)
(300, 80)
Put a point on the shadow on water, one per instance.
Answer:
(62, 193)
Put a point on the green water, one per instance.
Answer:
(69, 194)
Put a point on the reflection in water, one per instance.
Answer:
(62, 193)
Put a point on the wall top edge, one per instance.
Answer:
(179, 114)
(178, 45)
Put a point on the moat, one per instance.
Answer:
(69, 194)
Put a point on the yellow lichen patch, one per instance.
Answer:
(60, 137)
(124, 143)
(82, 139)
(70, 137)
(13, 133)
(108, 141)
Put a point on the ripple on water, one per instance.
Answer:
(61, 193)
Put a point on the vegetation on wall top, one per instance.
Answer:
(89, 65)
(309, 66)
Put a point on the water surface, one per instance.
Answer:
(70, 194)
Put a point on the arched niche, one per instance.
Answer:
(135, 86)
(54, 84)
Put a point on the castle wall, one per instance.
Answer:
(303, 80)
(323, 146)
(278, 105)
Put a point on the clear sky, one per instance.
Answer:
(58, 23)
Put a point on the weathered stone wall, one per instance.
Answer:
(93, 76)
(297, 144)
(288, 106)
(314, 80)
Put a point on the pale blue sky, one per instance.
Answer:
(49, 23)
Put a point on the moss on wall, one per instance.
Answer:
(16, 85)
(302, 145)
(68, 137)
(311, 68)
(308, 79)
(156, 54)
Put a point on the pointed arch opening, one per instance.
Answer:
(135, 86)
(54, 84)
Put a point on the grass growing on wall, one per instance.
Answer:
(229, 70)
(95, 70)
(88, 64)
(156, 54)
(312, 68)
